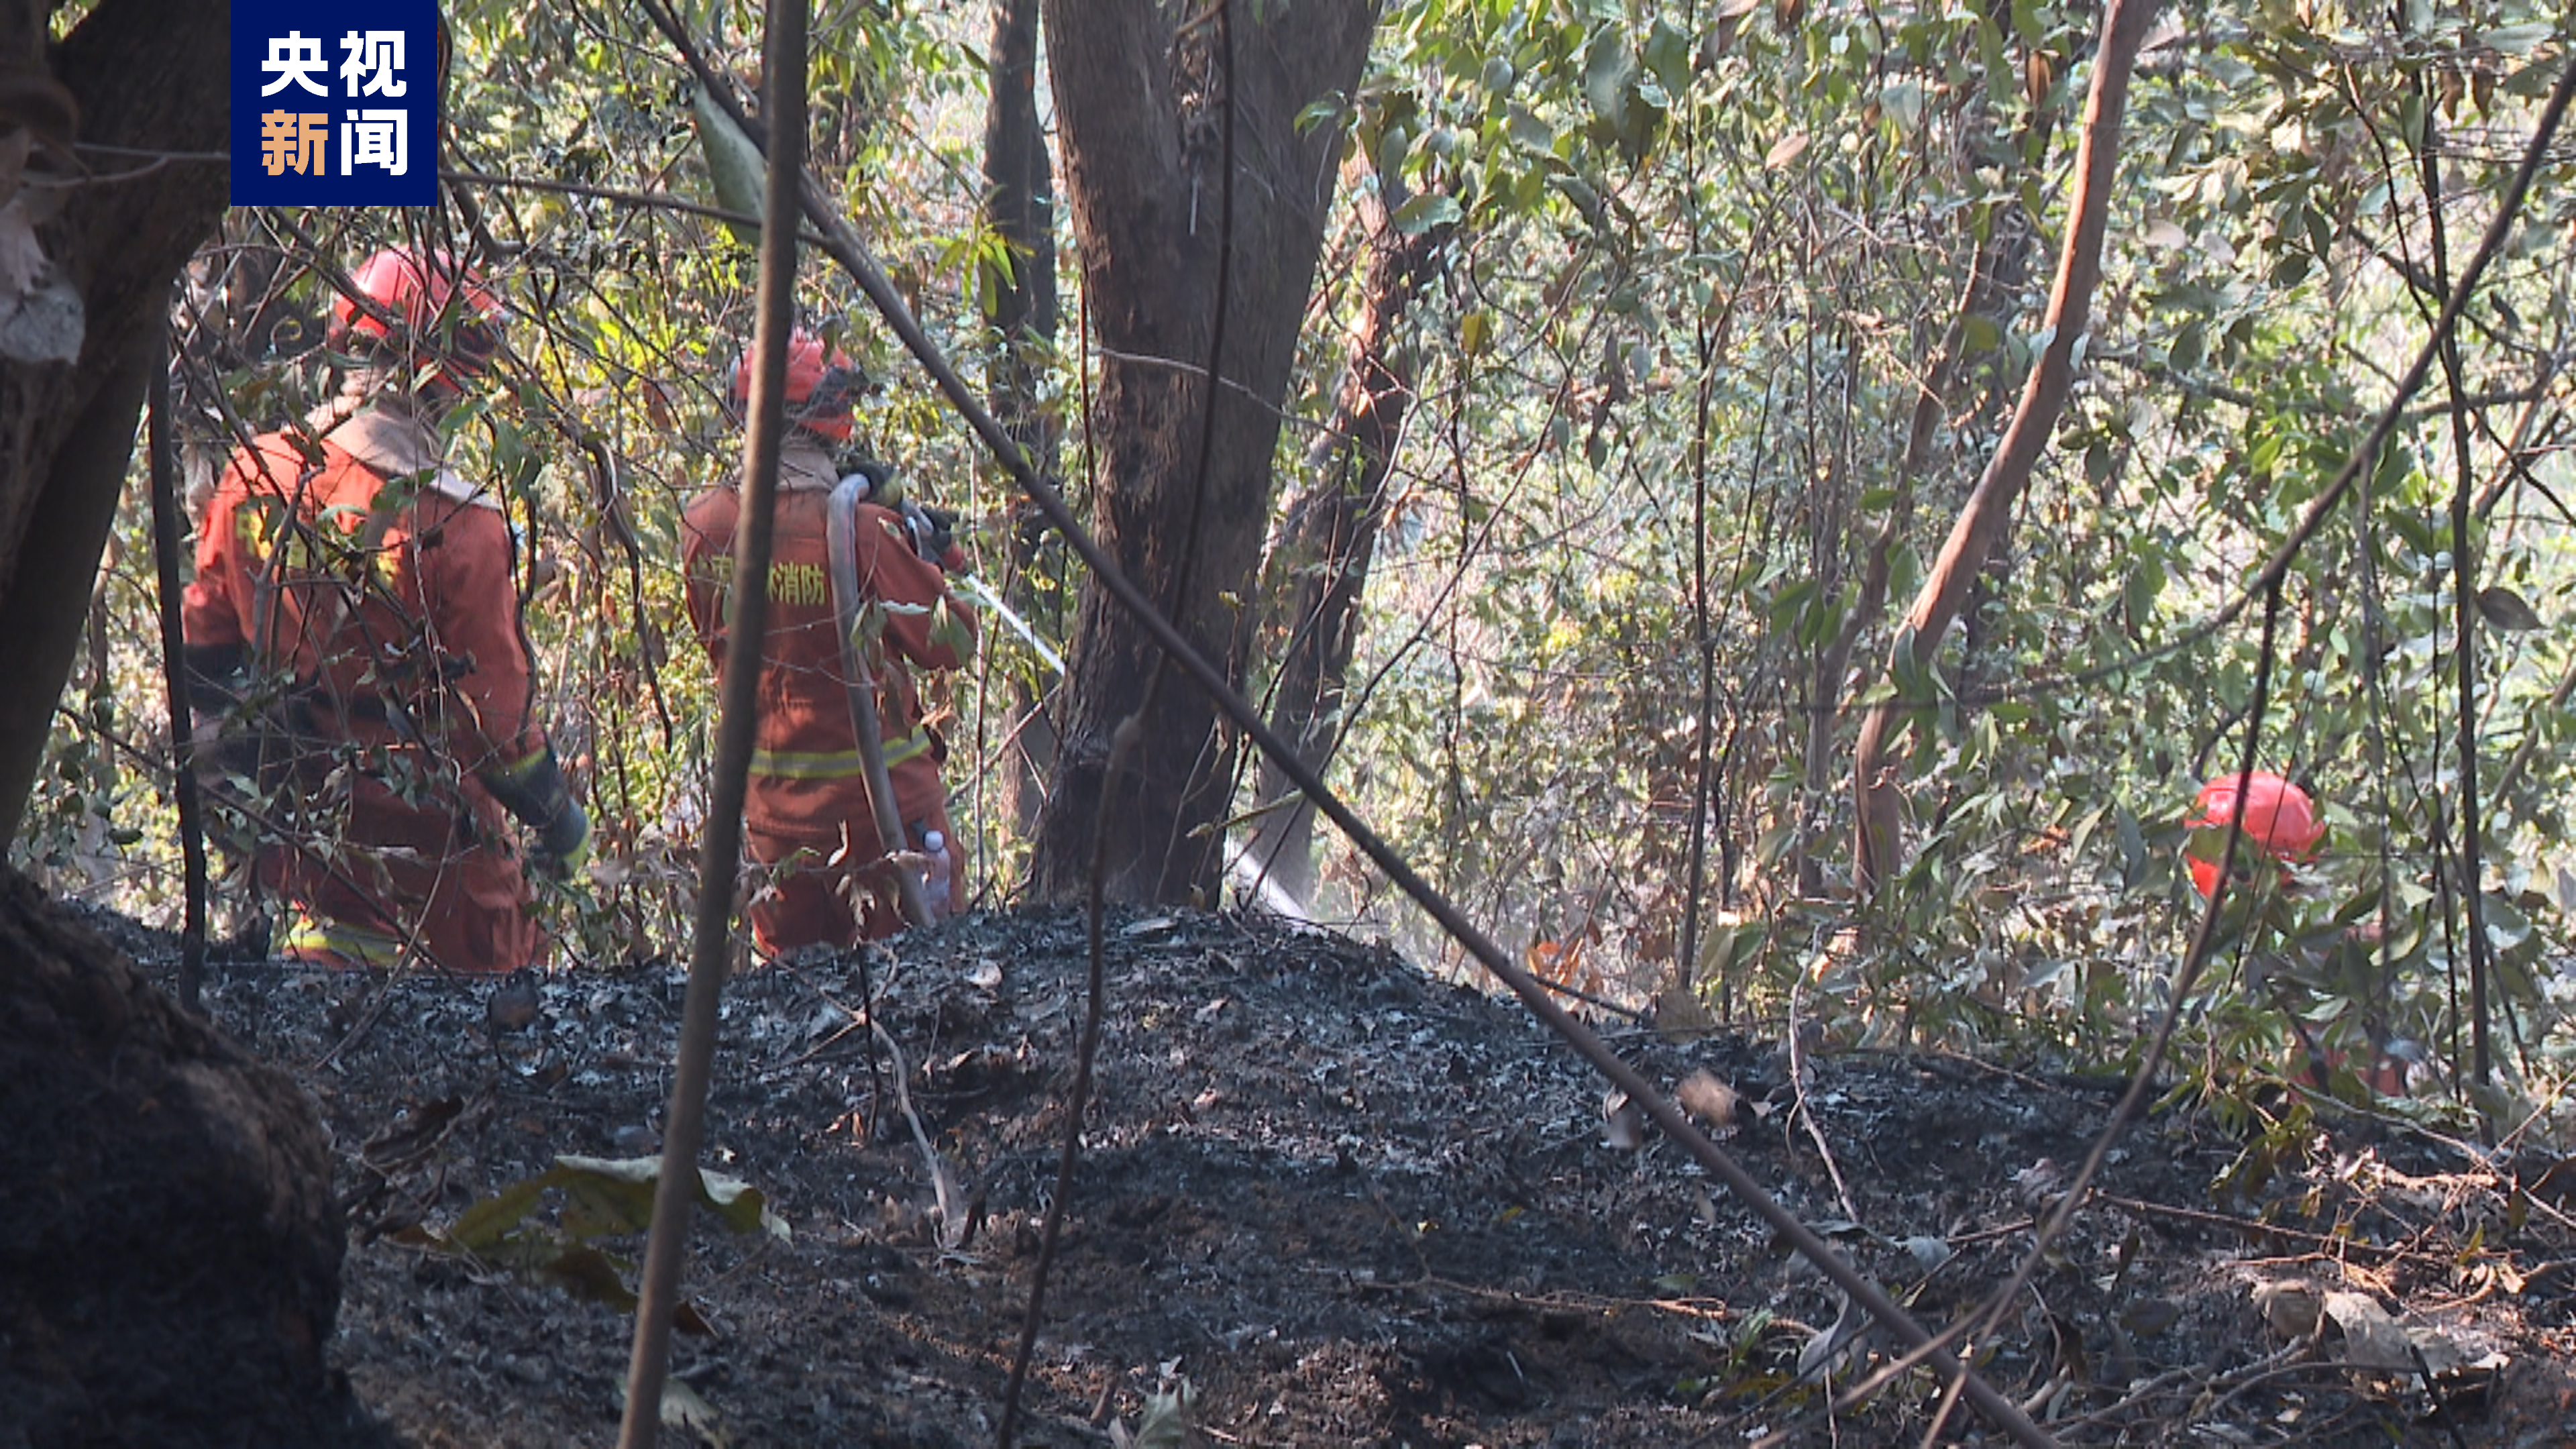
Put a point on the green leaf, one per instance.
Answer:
(1528, 131)
(1996, 66)
(1421, 213)
(480, 1228)
(1165, 1423)
(2190, 347)
(1903, 102)
(1668, 56)
(617, 1193)
(1608, 69)
(1326, 111)
(682, 1409)
(1823, 620)
(1787, 604)
(739, 1205)
(2518, 39)
(612, 1195)
(2133, 846)
(2138, 596)
(2530, 82)
(2504, 609)
(734, 164)
(1726, 947)
(2507, 927)
(1579, 191)
(2082, 834)
(1475, 332)
(586, 1272)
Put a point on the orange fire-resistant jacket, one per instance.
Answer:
(807, 788)
(371, 588)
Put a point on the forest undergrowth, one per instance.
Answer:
(1344, 1202)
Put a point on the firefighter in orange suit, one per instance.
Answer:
(806, 815)
(354, 623)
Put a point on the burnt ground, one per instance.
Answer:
(1349, 1204)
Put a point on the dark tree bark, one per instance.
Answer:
(1020, 308)
(169, 1245)
(1318, 571)
(1141, 102)
(143, 75)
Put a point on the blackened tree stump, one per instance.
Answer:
(169, 1244)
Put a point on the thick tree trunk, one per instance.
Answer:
(145, 76)
(1877, 853)
(1020, 308)
(169, 1245)
(1142, 104)
(1318, 571)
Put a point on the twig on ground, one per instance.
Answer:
(2288, 1360)
(375, 1010)
(1712, 1310)
(2164, 1383)
(943, 1184)
(2328, 1245)
(1798, 1074)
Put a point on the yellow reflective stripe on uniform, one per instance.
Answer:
(355, 945)
(834, 764)
(518, 769)
(909, 747)
(807, 764)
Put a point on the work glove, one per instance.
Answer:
(933, 532)
(224, 740)
(563, 846)
(534, 790)
(877, 483)
(215, 755)
(214, 677)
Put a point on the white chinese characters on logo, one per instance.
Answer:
(375, 138)
(295, 59)
(376, 59)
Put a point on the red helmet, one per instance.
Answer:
(2280, 821)
(820, 387)
(443, 309)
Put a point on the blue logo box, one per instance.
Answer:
(335, 104)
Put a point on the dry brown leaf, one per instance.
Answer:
(2292, 1308)
(2039, 1182)
(1708, 1099)
(2371, 1339)
(1624, 1125)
